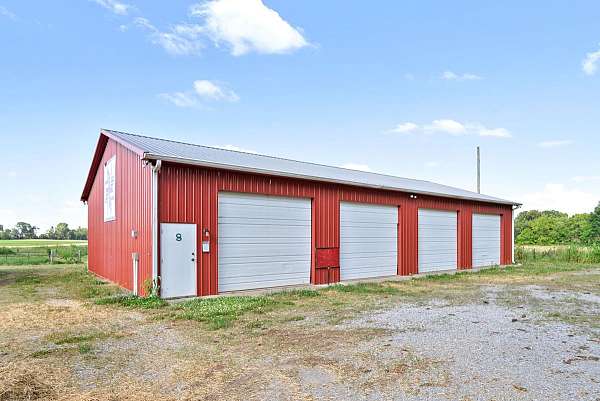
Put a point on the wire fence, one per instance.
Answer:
(42, 255)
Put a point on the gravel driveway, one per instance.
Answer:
(486, 351)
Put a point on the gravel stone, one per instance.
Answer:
(495, 359)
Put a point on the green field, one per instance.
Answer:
(31, 243)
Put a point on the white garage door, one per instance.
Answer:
(437, 240)
(486, 240)
(368, 240)
(264, 241)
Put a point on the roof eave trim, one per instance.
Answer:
(105, 135)
(222, 166)
(140, 152)
(98, 153)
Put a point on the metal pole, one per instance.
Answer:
(478, 170)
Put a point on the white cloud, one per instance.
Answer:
(494, 132)
(11, 174)
(180, 99)
(452, 127)
(181, 40)
(7, 13)
(210, 90)
(451, 76)
(555, 144)
(559, 197)
(590, 63)
(586, 178)
(448, 126)
(115, 6)
(404, 128)
(235, 148)
(432, 164)
(204, 91)
(248, 25)
(357, 166)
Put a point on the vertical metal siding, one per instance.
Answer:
(188, 194)
(110, 243)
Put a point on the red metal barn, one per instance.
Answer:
(202, 221)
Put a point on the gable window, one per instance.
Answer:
(110, 213)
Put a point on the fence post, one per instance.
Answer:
(79, 256)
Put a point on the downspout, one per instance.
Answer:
(155, 228)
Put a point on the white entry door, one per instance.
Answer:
(178, 256)
(486, 240)
(438, 249)
(264, 241)
(368, 240)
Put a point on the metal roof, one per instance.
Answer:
(179, 152)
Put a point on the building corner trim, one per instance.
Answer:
(155, 228)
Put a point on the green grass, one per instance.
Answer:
(13, 260)
(17, 243)
(132, 301)
(71, 281)
(221, 312)
(62, 338)
(36, 255)
(335, 302)
(364, 288)
(218, 312)
(570, 254)
(69, 343)
(342, 300)
(84, 348)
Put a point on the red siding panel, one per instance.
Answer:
(110, 243)
(189, 194)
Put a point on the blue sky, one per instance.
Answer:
(403, 88)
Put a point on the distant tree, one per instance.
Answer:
(25, 230)
(80, 233)
(524, 219)
(579, 229)
(62, 231)
(5, 234)
(50, 233)
(595, 225)
(548, 229)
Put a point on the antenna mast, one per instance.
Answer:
(478, 170)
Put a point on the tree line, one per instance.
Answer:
(62, 231)
(550, 227)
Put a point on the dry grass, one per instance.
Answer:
(57, 343)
